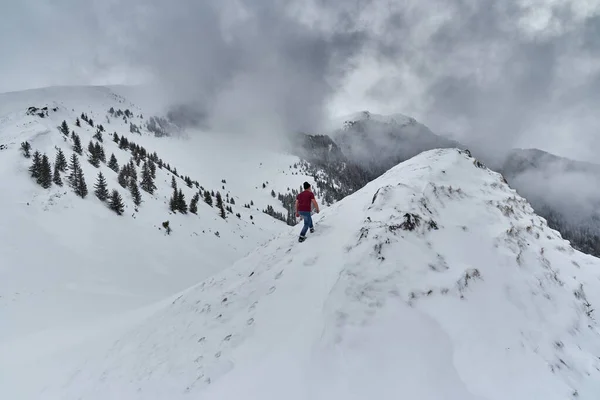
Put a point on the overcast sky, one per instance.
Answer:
(500, 73)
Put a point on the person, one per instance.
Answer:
(304, 202)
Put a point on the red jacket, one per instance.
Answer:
(304, 200)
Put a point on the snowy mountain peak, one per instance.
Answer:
(393, 119)
(435, 281)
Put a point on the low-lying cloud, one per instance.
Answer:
(495, 74)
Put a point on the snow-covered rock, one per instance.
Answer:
(435, 281)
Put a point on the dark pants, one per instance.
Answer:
(307, 222)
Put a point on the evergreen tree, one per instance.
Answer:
(74, 167)
(98, 136)
(25, 148)
(181, 204)
(100, 187)
(115, 202)
(64, 128)
(147, 182)
(36, 165)
(45, 176)
(56, 176)
(113, 163)
(77, 123)
(272, 192)
(115, 138)
(91, 122)
(173, 206)
(173, 182)
(194, 203)
(132, 171)
(77, 144)
(123, 143)
(81, 187)
(135, 193)
(188, 181)
(152, 166)
(208, 198)
(220, 206)
(123, 176)
(232, 201)
(93, 158)
(60, 161)
(100, 152)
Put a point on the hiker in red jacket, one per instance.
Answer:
(304, 201)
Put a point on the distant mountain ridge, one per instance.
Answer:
(365, 145)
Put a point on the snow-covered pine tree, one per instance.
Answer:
(181, 203)
(93, 158)
(77, 143)
(36, 165)
(56, 176)
(152, 167)
(64, 128)
(135, 193)
(60, 161)
(75, 167)
(173, 201)
(173, 182)
(123, 143)
(132, 171)
(115, 202)
(25, 148)
(98, 136)
(220, 206)
(77, 123)
(147, 183)
(123, 176)
(100, 188)
(194, 203)
(113, 163)
(208, 198)
(81, 189)
(45, 177)
(115, 138)
(100, 152)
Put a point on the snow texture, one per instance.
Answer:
(70, 267)
(435, 281)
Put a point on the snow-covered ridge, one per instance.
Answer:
(67, 263)
(435, 281)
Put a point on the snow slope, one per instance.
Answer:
(68, 264)
(435, 281)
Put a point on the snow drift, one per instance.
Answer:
(435, 281)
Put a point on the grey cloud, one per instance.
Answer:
(486, 75)
(477, 68)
